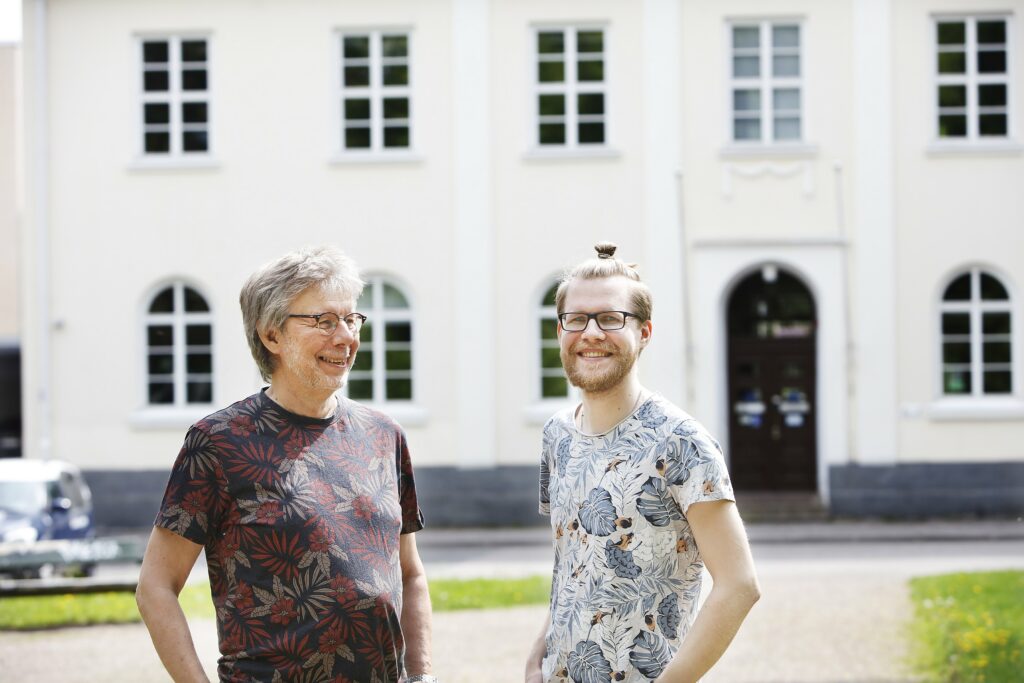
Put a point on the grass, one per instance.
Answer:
(53, 611)
(969, 627)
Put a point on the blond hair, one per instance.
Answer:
(606, 265)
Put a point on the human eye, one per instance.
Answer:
(610, 320)
(327, 322)
(354, 321)
(574, 321)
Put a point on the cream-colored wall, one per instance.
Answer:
(953, 211)
(9, 84)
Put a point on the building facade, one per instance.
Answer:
(821, 196)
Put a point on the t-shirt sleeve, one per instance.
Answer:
(546, 465)
(190, 506)
(412, 517)
(701, 460)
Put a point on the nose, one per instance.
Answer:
(343, 335)
(592, 329)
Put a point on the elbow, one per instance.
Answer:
(751, 591)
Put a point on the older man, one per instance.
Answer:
(304, 502)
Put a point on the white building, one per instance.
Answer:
(824, 196)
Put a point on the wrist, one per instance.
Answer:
(421, 678)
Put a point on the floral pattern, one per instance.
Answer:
(627, 572)
(300, 519)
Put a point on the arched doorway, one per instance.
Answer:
(771, 378)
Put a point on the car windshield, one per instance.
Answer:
(24, 497)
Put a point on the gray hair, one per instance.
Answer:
(270, 291)
(606, 265)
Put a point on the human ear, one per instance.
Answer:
(271, 339)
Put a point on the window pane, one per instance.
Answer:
(956, 323)
(590, 103)
(360, 389)
(549, 296)
(952, 96)
(161, 364)
(194, 141)
(590, 41)
(393, 298)
(746, 67)
(194, 301)
(591, 133)
(398, 389)
(956, 382)
(357, 76)
(395, 46)
(548, 327)
(395, 108)
(356, 47)
(552, 105)
(357, 138)
(157, 143)
(552, 134)
(549, 358)
(155, 51)
(995, 323)
(786, 99)
(993, 95)
(590, 71)
(163, 302)
(161, 392)
(155, 81)
(959, 289)
(952, 33)
(364, 360)
(990, 32)
(199, 363)
(357, 109)
(952, 62)
(787, 128)
(396, 136)
(956, 352)
(398, 332)
(785, 36)
(992, 125)
(550, 42)
(995, 352)
(200, 392)
(194, 112)
(746, 100)
(554, 387)
(398, 360)
(551, 72)
(193, 50)
(746, 36)
(992, 62)
(396, 74)
(952, 126)
(786, 65)
(156, 113)
(997, 382)
(746, 129)
(992, 289)
(198, 335)
(193, 79)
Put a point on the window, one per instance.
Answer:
(571, 103)
(175, 97)
(976, 336)
(972, 78)
(376, 106)
(383, 367)
(553, 383)
(179, 348)
(766, 90)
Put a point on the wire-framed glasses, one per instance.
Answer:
(606, 320)
(328, 322)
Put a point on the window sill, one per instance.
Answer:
(736, 151)
(173, 163)
(356, 158)
(561, 153)
(405, 414)
(170, 418)
(979, 409)
(959, 148)
(539, 412)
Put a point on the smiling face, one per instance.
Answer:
(309, 363)
(596, 360)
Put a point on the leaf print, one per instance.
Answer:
(620, 559)
(650, 654)
(587, 663)
(655, 503)
(597, 514)
(650, 416)
(668, 616)
(562, 453)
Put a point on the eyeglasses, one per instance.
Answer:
(606, 320)
(328, 322)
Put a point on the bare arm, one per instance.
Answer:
(415, 608)
(166, 565)
(723, 545)
(536, 656)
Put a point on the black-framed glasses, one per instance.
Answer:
(328, 322)
(608, 321)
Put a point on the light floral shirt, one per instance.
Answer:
(627, 571)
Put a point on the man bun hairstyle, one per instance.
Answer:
(606, 265)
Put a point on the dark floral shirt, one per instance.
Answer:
(300, 518)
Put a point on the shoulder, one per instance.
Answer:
(369, 419)
(244, 409)
(559, 423)
(681, 426)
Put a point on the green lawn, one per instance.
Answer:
(969, 627)
(50, 611)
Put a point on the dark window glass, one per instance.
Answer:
(395, 46)
(952, 33)
(364, 361)
(952, 96)
(591, 133)
(398, 360)
(952, 62)
(397, 74)
(548, 328)
(992, 32)
(161, 364)
(194, 112)
(992, 125)
(953, 126)
(550, 358)
(193, 50)
(995, 323)
(552, 105)
(161, 392)
(760, 308)
(198, 335)
(398, 332)
(552, 134)
(357, 76)
(157, 113)
(992, 62)
(357, 109)
(995, 352)
(160, 335)
(158, 143)
(357, 138)
(396, 107)
(551, 72)
(956, 352)
(200, 392)
(589, 41)
(360, 389)
(554, 387)
(199, 363)
(550, 42)
(194, 301)
(156, 81)
(163, 302)
(590, 71)
(959, 289)
(193, 79)
(549, 296)
(997, 382)
(956, 382)
(357, 47)
(956, 323)
(398, 389)
(155, 51)
(194, 141)
(992, 95)
(992, 289)
(592, 103)
(396, 136)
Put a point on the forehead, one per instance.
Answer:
(316, 299)
(600, 294)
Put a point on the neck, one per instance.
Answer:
(306, 404)
(601, 411)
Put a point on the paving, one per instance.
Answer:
(834, 607)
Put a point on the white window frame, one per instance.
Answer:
(570, 88)
(178, 319)
(542, 406)
(765, 83)
(174, 97)
(971, 80)
(375, 92)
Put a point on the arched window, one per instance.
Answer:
(179, 348)
(553, 384)
(383, 367)
(976, 332)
